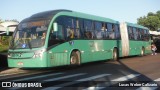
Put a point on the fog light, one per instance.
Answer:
(20, 63)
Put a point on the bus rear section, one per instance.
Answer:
(135, 39)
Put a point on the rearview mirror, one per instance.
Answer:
(55, 26)
(10, 29)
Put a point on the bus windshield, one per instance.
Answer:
(30, 34)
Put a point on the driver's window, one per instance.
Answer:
(56, 37)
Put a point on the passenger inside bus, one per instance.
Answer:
(103, 30)
(112, 34)
(43, 35)
(70, 33)
(88, 34)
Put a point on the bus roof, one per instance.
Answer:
(44, 15)
(136, 25)
(63, 12)
(87, 16)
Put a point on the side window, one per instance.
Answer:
(88, 29)
(87, 25)
(60, 33)
(106, 30)
(111, 30)
(98, 30)
(117, 31)
(81, 28)
(135, 33)
(146, 35)
(142, 34)
(70, 28)
(130, 33)
(138, 34)
(57, 36)
(77, 29)
(109, 27)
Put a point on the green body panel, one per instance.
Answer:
(90, 50)
(136, 47)
(30, 62)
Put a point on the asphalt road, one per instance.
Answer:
(131, 73)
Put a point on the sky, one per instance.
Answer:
(120, 10)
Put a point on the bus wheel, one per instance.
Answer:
(142, 51)
(115, 54)
(74, 59)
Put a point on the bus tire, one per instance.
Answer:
(115, 54)
(142, 52)
(75, 58)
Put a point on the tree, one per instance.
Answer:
(152, 20)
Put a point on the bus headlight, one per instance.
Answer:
(36, 55)
(39, 54)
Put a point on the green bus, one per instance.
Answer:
(64, 37)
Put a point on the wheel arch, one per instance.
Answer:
(78, 53)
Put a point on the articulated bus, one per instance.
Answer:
(64, 37)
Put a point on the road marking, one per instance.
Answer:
(54, 79)
(126, 77)
(41, 76)
(32, 73)
(63, 77)
(75, 82)
(94, 88)
(101, 86)
(149, 88)
(157, 79)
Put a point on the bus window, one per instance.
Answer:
(70, 25)
(135, 35)
(56, 36)
(111, 31)
(88, 29)
(106, 31)
(138, 34)
(117, 32)
(88, 25)
(109, 27)
(130, 33)
(142, 34)
(103, 30)
(98, 30)
(77, 29)
(146, 35)
(81, 28)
